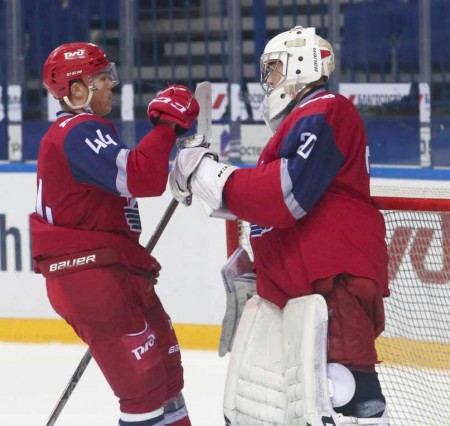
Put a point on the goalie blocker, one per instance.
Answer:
(278, 372)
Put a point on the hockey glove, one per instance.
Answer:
(208, 182)
(177, 105)
(153, 274)
(184, 165)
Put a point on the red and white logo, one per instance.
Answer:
(141, 350)
(76, 54)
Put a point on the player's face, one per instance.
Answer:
(271, 74)
(101, 103)
(275, 74)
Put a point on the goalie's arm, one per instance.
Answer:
(295, 175)
(276, 193)
(279, 192)
(255, 195)
(266, 196)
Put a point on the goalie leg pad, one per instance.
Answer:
(305, 323)
(255, 390)
(278, 372)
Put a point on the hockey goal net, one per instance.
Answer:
(415, 347)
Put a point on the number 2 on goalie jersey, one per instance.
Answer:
(308, 140)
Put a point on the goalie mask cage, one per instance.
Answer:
(415, 346)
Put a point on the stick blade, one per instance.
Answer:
(203, 94)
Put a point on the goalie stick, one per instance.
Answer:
(203, 96)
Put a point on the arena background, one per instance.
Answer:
(393, 62)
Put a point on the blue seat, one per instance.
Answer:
(371, 31)
(48, 25)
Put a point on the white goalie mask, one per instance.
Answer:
(291, 61)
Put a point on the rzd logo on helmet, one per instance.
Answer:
(71, 55)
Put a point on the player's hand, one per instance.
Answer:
(153, 274)
(152, 277)
(184, 166)
(175, 105)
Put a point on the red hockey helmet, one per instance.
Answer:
(73, 61)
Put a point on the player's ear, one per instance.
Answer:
(77, 89)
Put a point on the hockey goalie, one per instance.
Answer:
(303, 347)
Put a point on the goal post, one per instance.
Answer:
(415, 346)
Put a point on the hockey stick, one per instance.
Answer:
(69, 388)
(203, 95)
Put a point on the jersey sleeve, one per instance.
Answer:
(98, 157)
(282, 191)
(94, 153)
(148, 164)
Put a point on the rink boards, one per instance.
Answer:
(192, 250)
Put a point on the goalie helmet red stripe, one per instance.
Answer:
(69, 62)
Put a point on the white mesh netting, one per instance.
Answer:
(415, 347)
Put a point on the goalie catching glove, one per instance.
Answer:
(197, 171)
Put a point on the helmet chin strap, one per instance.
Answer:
(85, 107)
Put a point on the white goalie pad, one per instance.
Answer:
(255, 390)
(240, 285)
(313, 386)
(278, 372)
(305, 328)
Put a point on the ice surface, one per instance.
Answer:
(33, 377)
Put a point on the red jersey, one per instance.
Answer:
(87, 183)
(308, 201)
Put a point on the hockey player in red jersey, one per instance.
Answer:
(313, 228)
(86, 229)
